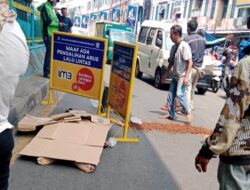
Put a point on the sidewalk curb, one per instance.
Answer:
(29, 93)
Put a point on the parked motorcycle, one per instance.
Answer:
(226, 80)
(211, 79)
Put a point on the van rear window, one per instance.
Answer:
(143, 34)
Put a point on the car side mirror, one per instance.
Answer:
(158, 43)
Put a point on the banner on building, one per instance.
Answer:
(132, 16)
(116, 15)
(93, 16)
(77, 21)
(85, 20)
(103, 15)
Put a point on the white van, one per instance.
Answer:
(154, 44)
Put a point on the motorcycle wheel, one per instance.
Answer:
(215, 86)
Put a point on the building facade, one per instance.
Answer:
(215, 16)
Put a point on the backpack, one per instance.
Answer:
(242, 46)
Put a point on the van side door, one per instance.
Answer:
(150, 49)
(142, 53)
(155, 51)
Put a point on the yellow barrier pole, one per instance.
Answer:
(50, 99)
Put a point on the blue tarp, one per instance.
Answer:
(209, 37)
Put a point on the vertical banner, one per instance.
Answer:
(103, 15)
(116, 15)
(132, 14)
(85, 20)
(77, 21)
(122, 82)
(78, 64)
(93, 16)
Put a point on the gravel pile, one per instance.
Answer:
(172, 128)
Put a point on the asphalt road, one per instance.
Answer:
(160, 161)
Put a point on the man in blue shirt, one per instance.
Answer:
(197, 45)
(64, 19)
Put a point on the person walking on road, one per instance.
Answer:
(197, 44)
(49, 24)
(63, 18)
(182, 65)
(14, 58)
(231, 136)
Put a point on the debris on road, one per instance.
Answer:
(112, 142)
(73, 136)
(136, 120)
(173, 128)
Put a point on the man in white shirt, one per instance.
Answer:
(181, 65)
(14, 58)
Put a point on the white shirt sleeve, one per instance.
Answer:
(186, 51)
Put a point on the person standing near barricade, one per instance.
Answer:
(197, 45)
(182, 65)
(14, 58)
(63, 18)
(49, 24)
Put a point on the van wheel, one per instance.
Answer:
(157, 82)
(138, 73)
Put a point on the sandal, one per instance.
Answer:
(180, 112)
(164, 108)
(166, 117)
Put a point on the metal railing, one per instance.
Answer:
(29, 20)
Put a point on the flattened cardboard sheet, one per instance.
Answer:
(62, 151)
(30, 123)
(81, 142)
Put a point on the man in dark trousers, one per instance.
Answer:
(63, 17)
(49, 24)
(14, 58)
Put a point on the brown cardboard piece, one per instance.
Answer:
(81, 142)
(30, 123)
